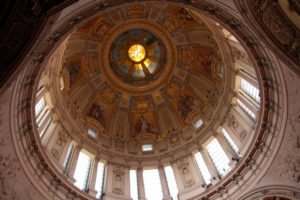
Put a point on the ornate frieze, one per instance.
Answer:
(185, 172)
(118, 179)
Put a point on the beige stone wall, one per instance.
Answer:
(14, 184)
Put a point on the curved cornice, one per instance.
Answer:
(274, 28)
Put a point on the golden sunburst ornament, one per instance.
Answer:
(137, 52)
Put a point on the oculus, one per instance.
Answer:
(137, 53)
(137, 56)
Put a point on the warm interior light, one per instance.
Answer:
(137, 53)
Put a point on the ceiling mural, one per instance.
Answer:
(157, 80)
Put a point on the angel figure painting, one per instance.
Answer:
(97, 112)
(143, 126)
(185, 105)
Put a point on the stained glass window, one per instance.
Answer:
(137, 52)
(137, 56)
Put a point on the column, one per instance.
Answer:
(71, 168)
(164, 183)
(47, 137)
(140, 181)
(92, 177)
(65, 151)
(127, 181)
(210, 165)
(233, 132)
(199, 172)
(43, 119)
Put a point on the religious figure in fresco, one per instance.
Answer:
(206, 62)
(73, 70)
(185, 105)
(101, 27)
(97, 112)
(143, 126)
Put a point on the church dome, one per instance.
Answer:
(149, 101)
(154, 78)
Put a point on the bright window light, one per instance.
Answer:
(198, 123)
(100, 179)
(152, 184)
(171, 182)
(68, 156)
(246, 109)
(203, 168)
(92, 133)
(133, 185)
(218, 156)
(250, 90)
(82, 171)
(147, 147)
(40, 106)
(230, 141)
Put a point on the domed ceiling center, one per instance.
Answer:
(137, 53)
(137, 56)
